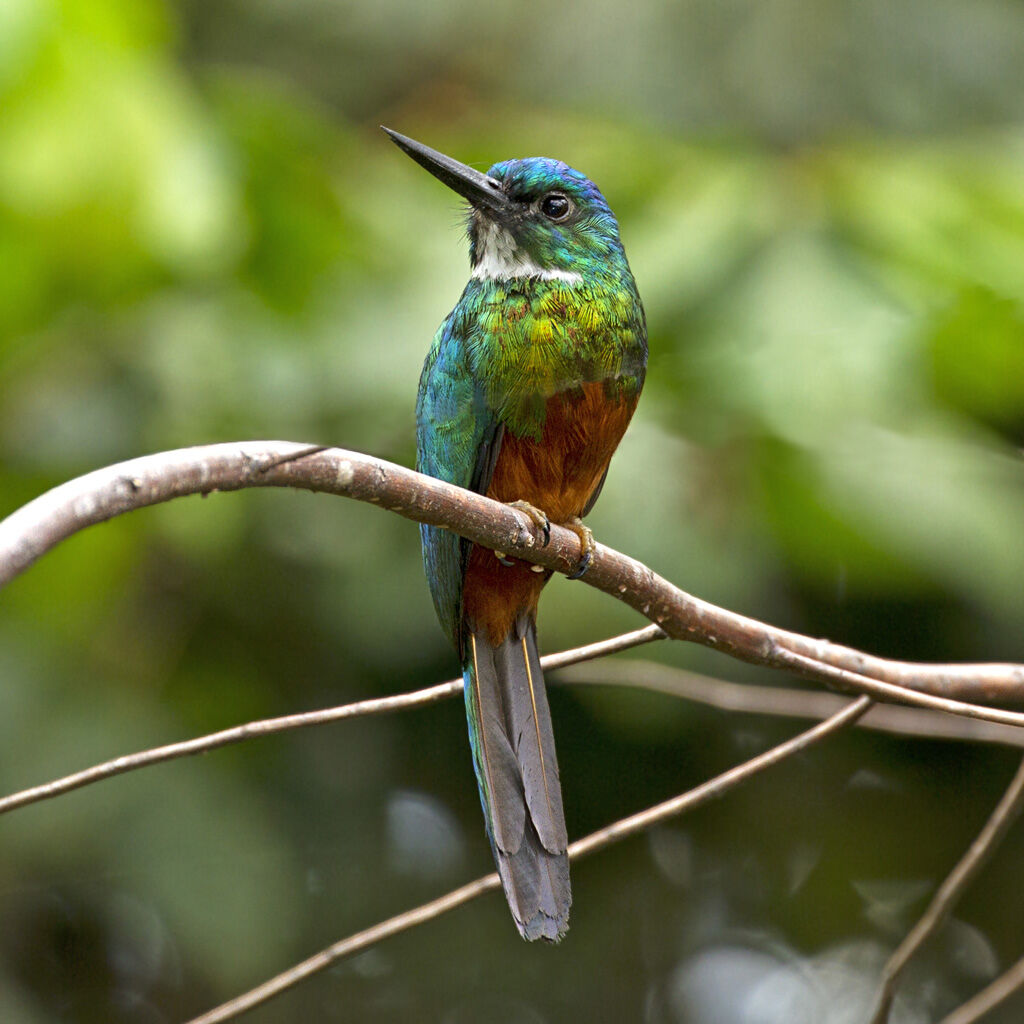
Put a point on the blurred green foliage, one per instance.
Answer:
(203, 237)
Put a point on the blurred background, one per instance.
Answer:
(205, 237)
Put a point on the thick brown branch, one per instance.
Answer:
(709, 790)
(98, 496)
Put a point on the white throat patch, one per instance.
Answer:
(501, 260)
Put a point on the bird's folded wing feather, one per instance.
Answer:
(458, 438)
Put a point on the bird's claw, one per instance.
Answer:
(538, 517)
(587, 543)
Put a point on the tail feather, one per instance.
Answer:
(517, 772)
(493, 758)
(533, 738)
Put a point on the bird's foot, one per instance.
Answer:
(537, 517)
(586, 536)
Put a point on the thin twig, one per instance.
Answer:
(717, 786)
(649, 675)
(709, 790)
(989, 997)
(810, 668)
(949, 892)
(267, 726)
(348, 947)
(34, 529)
(785, 702)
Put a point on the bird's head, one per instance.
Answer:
(528, 218)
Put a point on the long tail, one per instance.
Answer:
(517, 772)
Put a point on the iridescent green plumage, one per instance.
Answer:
(526, 390)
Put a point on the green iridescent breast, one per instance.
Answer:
(529, 339)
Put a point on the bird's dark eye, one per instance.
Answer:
(555, 206)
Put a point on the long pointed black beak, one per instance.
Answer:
(479, 189)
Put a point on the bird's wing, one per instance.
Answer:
(458, 438)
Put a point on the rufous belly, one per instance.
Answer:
(558, 474)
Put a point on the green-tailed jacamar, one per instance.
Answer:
(526, 391)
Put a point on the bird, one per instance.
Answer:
(527, 389)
